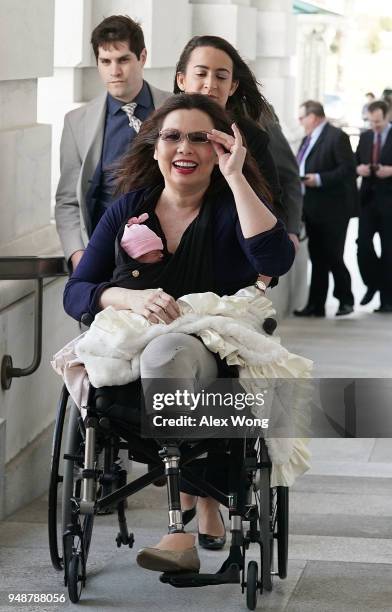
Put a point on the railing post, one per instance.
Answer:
(38, 268)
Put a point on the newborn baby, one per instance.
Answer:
(140, 242)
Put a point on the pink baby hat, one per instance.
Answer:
(139, 239)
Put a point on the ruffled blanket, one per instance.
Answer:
(232, 327)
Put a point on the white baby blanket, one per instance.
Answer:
(231, 326)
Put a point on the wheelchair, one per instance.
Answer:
(93, 482)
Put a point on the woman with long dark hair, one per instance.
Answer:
(206, 200)
(210, 65)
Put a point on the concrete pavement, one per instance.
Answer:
(340, 546)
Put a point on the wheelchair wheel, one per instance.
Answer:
(75, 579)
(280, 519)
(55, 480)
(77, 529)
(252, 585)
(262, 499)
(71, 478)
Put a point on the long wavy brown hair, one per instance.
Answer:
(246, 101)
(138, 168)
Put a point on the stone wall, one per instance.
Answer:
(26, 34)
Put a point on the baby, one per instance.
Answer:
(144, 245)
(140, 242)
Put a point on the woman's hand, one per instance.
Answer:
(153, 304)
(158, 306)
(230, 151)
(253, 215)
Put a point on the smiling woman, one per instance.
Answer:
(188, 159)
(184, 114)
(206, 200)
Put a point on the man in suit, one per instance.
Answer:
(96, 135)
(374, 159)
(327, 166)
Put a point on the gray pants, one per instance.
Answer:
(177, 355)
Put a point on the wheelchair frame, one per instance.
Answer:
(93, 482)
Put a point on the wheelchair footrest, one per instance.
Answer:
(231, 575)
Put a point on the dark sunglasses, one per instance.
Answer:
(172, 135)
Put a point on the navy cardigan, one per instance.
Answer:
(237, 260)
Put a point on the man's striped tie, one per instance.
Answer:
(129, 110)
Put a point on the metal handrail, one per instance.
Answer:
(29, 268)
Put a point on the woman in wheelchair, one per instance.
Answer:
(207, 202)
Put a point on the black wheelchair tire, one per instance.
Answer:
(282, 526)
(264, 514)
(72, 443)
(252, 585)
(75, 583)
(71, 489)
(55, 479)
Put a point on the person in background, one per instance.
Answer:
(210, 65)
(370, 97)
(141, 243)
(386, 96)
(97, 134)
(327, 168)
(374, 165)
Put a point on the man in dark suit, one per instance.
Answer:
(327, 168)
(374, 159)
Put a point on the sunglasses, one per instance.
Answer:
(172, 135)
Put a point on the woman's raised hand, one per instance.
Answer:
(230, 151)
(154, 304)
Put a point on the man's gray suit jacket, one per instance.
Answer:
(80, 152)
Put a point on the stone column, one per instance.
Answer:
(28, 408)
(274, 65)
(230, 19)
(316, 63)
(26, 34)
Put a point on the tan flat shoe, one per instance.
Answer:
(159, 560)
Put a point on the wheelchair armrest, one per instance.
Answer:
(86, 319)
(269, 325)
